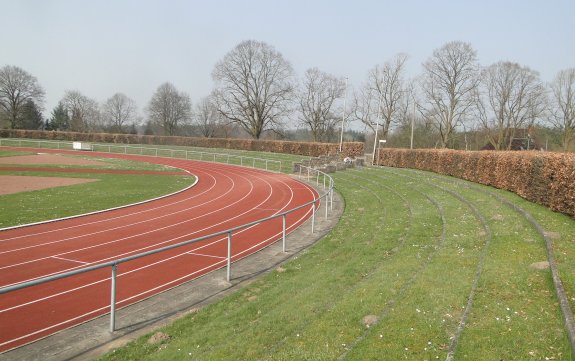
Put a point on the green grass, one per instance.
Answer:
(11, 153)
(407, 250)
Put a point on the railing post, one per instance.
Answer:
(284, 233)
(331, 196)
(308, 170)
(326, 202)
(214, 157)
(312, 215)
(228, 161)
(229, 265)
(266, 164)
(242, 161)
(317, 178)
(113, 299)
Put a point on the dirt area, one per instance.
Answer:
(53, 159)
(14, 184)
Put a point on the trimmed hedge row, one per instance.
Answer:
(541, 177)
(349, 149)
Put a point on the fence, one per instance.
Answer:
(327, 196)
(244, 161)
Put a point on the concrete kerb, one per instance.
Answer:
(92, 339)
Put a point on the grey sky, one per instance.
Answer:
(103, 47)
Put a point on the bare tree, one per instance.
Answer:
(449, 82)
(316, 100)
(562, 106)
(390, 88)
(365, 106)
(207, 119)
(119, 112)
(253, 87)
(17, 88)
(512, 97)
(82, 111)
(169, 108)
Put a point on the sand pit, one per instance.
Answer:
(14, 184)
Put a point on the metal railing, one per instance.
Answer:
(327, 196)
(244, 161)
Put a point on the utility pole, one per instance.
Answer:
(376, 129)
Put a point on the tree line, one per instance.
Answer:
(256, 93)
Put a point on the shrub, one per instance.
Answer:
(543, 178)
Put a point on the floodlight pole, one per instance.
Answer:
(376, 129)
(343, 118)
(412, 126)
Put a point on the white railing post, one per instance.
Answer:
(113, 299)
(229, 262)
(312, 215)
(284, 233)
(331, 196)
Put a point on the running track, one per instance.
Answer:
(224, 197)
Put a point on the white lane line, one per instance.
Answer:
(70, 260)
(205, 255)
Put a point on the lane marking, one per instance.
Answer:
(205, 255)
(69, 260)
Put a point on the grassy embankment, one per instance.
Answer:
(412, 255)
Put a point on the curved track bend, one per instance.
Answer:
(225, 197)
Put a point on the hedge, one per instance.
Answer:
(309, 149)
(541, 177)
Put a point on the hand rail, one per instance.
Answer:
(268, 164)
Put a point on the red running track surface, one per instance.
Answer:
(224, 197)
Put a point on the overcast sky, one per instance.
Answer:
(108, 46)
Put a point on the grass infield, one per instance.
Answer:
(111, 190)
